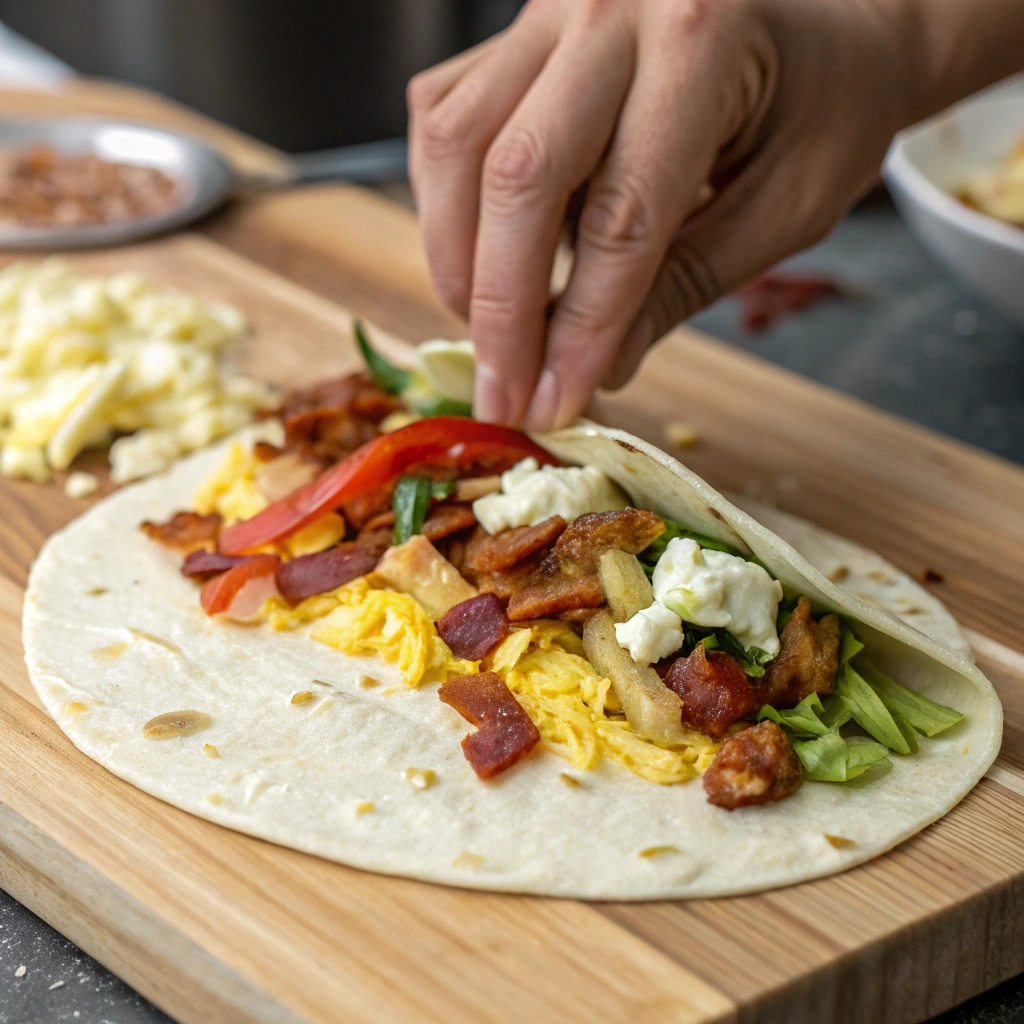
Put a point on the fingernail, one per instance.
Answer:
(490, 403)
(543, 411)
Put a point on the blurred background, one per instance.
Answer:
(300, 75)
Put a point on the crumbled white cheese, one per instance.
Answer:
(83, 359)
(706, 588)
(531, 493)
(80, 484)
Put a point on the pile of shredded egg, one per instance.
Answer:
(84, 360)
(541, 662)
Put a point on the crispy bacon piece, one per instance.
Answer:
(550, 594)
(807, 661)
(185, 531)
(447, 518)
(361, 510)
(382, 520)
(376, 541)
(474, 628)
(756, 766)
(504, 733)
(202, 565)
(580, 547)
(486, 553)
(509, 581)
(714, 689)
(323, 571)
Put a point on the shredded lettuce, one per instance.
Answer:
(915, 709)
(849, 646)
(803, 720)
(831, 758)
(392, 379)
(441, 406)
(410, 503)
(870, 713)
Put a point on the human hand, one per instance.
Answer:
(707, 138)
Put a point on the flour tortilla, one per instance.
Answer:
(296, 774)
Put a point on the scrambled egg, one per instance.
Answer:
(83, 359)
(541, 662)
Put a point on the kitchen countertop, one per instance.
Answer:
(912, 342)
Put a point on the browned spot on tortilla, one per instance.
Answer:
(714, 512)
(839, 842)
(176, 723)
(627, 446)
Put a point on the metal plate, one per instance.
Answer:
(204, 177)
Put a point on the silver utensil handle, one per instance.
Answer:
(364, 164)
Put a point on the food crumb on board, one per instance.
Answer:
(210, 750)
(682, 435)
(56, 984)
(420, 778)
(21, 971)
(931, 576)
(657, 851)
(302, 697)
(80, 484)
(839, 842)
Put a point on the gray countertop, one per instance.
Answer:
(915, 344)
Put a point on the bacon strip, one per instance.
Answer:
(756, 766)
(185, 531)
(714, 689)
(549, 595)
(474, 628)
(580, 547)
(486, 553)
(323, 571)
(448, 518)
(808, 659)
(202, 565)
(504, 733)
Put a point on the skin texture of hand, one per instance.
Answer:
(690, 144)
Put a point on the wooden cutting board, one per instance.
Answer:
(215, 927)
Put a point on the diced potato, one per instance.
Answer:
(418, 568)
(653, 710)
(624, 584)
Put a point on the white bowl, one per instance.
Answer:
(928, 162)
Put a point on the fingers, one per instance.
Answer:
(768, 212)
(545, 151)
(651, 180)
(449, 142)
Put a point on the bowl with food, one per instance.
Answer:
(958, 180)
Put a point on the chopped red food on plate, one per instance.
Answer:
(185, 531)
(714, 689)
(756, 766)
(323, 571)
(452, 441)
(475, 627)
(505, 732)
(202, 565)
(486, 553)
(240, 592)
(549, 594)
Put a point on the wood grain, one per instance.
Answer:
(216, 926)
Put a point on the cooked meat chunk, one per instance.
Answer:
(323, 571)
(550, 594)
(363, 508)
(505, 731)
(475, 627)
(447, 518)
(714, 689)
(418, 568)
(202, 565)
(756, 766)
(509, 581)
(807, 661)
(578, 550)
(486, 553)
(185, 531)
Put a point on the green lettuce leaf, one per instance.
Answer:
(441, 406)
(803, 720)
(831, 758)
(410, 503)
(650, 555)
(392, 379)
(849, 646)
(836, 712)
(869, 712)
(915, 709)
(752, 661)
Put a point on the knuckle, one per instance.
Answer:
(684, 17)
(421, 92)
(453, 288)
(439, 135)
(687, 283)
(516, 162)
(617, 216)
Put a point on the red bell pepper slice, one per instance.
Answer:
(218, 593)
(449, 441)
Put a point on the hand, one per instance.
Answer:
(706, 140)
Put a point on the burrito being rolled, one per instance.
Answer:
(379, 631)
